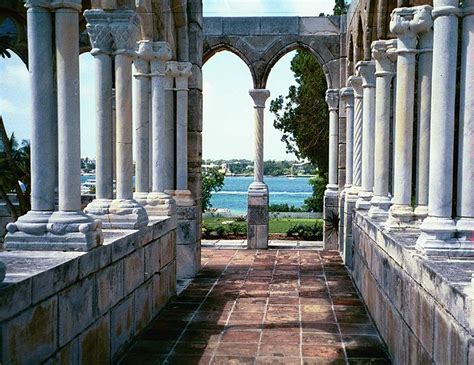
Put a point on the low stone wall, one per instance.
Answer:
(423, 308)
(86, 307)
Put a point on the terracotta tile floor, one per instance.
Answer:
(263, 307)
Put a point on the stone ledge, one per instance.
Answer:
(420, 305)
(134, 272)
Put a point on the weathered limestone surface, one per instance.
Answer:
(423, 309)
(67, 303)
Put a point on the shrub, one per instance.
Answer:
(285, 208)
(312, 232)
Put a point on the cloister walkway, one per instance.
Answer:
(263, 307)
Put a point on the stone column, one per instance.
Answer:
(356, 83)
(257, 236)
(32, 227)
(126, 213)
(72, 229)
(425, 64)
(101, 40)
(406, 23)
(182, 73)
(384, 55)
(158, 202)
(141, 116)
(366, 70)
(465, 197)
(347, 96)
(330, 208)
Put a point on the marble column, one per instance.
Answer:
(465, 196)
(32, 227)
(141, 117)
(384, 56)
(125, 212)
(330, 208)
(72, 229)
(356, 83)
(101, 40)
(438, 229)
(347, 96)
(160, 203)
(425, 64)
(366, 69)
(257, 236)
(405, 23)
(182, 195)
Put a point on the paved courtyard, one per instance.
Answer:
(263, 307)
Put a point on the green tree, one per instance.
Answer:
(302, 115)
(315, 202)
(340, 7)
(212, 181)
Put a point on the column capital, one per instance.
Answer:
(99, 31)
(162, 51)
(259, 97)
(332, 99)
(446, 8)
(406, 23)
(347, 96)
(366, 70)
(384, 54)
(356, 83)
(124, 27)
(179, 69)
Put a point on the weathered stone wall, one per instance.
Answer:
(423, 308)
(86, 307)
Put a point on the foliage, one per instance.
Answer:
(307, 232)
(315, 202)
(340, 7)
(212, 181)
(285, 208)
(302, 115)
(14, 166)
(331, 224)
(222, 230)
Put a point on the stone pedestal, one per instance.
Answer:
(257, 216)
(257, 210)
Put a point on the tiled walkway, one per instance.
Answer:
(264, 307)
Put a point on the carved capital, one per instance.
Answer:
(356, 83)
(406, 23)
(332, 99)
(99, 31)
(384, 56)
(347, 96)
(124, 28)
(259, 97)
(366, 70)
(162, 51)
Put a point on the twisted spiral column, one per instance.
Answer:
(259, 97)
(356, 83)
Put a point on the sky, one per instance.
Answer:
(228, 109)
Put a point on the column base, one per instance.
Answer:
(352, 194)
(379, 207)
(257, 216)
(160, 204)
(63, 231)
(182, 198)
(401, 217)
(126, 214)
(141, 197)
(438, 238)
(465, 229)
(363, 203)
(421, 212)
(331, 190)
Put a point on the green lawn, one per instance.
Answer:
(276, 225)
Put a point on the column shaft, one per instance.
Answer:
(465, 197)
(69, 127)
(104, 132)
(167, 160)
(332, 99)
(123, 95)
(43, 153)
(356, 83)
(258, 144)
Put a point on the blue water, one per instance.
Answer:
(233, 196)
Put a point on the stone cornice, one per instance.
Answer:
(332, 99)
(259, 97)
